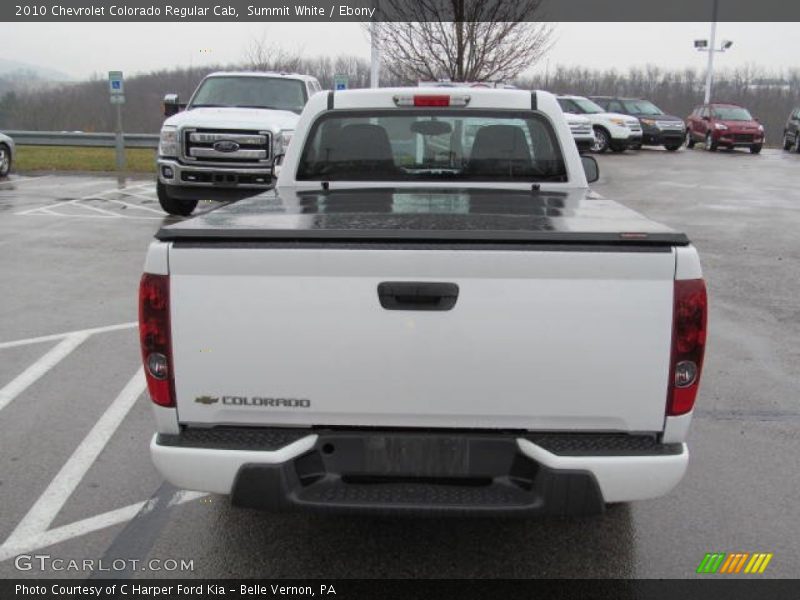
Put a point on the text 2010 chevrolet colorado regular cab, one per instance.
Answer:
(430, 312)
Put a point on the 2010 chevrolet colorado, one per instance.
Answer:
(431, 312)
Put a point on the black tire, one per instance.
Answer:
(174, 206)
(797, 142)
(787, 145)
(711, 145)
(602, 140)
(689, 140)
(672, 147)
(635, 147)
(5, 160)
(755, 148)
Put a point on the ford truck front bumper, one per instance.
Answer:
(194, 181)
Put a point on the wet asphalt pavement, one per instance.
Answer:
(74, 466)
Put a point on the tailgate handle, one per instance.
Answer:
(414, 295)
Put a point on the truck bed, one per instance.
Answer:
(427, 215)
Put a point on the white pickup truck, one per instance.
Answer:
(224, 143)
(431, 312)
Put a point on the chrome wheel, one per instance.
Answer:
(601, 141)
(5, 161)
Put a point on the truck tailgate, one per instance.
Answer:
(538, 338)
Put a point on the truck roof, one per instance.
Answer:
(426, 215)
(261, 74)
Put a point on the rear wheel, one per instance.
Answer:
(174, 206)
(711, 145)
(601, 140)
(5, 160)
(755, 148)
(689, 139)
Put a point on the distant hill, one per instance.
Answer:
(12, 69)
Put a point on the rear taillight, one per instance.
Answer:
(688, 344)
(155, 338)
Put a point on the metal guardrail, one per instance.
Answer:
(81, 139)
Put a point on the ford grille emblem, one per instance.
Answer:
(226, 146)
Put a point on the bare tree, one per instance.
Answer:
(263, 55)
(461, 40)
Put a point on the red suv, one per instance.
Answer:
(728, 125)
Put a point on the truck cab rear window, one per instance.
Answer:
(435, 144)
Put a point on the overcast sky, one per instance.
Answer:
(83, 49)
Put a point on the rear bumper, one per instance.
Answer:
(413, 472)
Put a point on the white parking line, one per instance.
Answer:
(80, 202)
(138, 206)
(89, 525)
(52, 500)
(32, 532)
(30, 375)
(58, 336)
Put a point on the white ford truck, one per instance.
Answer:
(430, 312)
(223, 144)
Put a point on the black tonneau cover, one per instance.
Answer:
(426, 215)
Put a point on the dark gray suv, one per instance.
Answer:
(791, 133)
(658, 128)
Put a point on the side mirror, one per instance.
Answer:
(276, 165)
(172, 105)
(590, 168)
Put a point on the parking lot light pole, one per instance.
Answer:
(713, 39)
(710, 47)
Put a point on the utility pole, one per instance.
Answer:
(711, 52)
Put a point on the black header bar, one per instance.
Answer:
(394, 10)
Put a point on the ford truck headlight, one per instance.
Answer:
(281, 143)
(650, 122)
(168, 141)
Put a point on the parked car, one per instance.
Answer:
(225, 142)
(722, 124)
(791, 133)
(582, 131)
(372, 354)
(6, 155)
(658, 128)
(613, 131)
